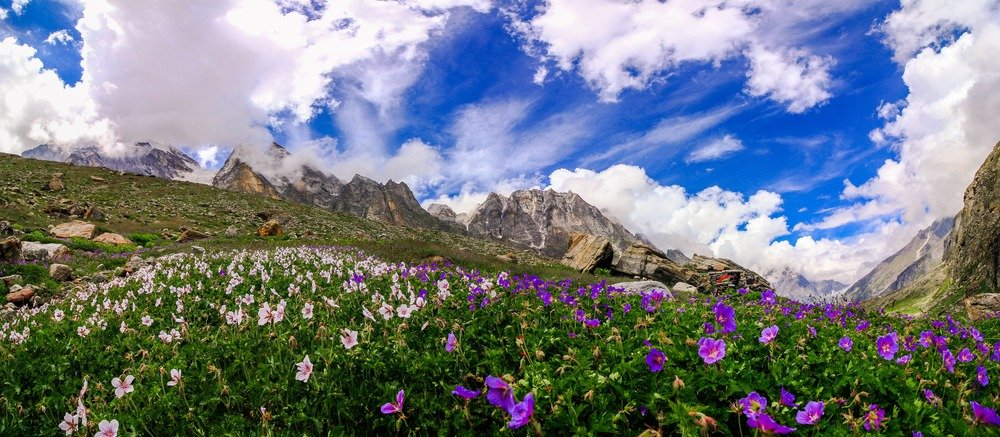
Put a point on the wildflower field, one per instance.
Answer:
(325, 340)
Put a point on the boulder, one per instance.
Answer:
(31, 250)
(588, 252)
(22, 296)
(198, 249)
(232, 231)
(134, 263)
(190, 235)
(645, 261)
(6, 230)
(92, 213)
(509, 257)
(112, 238)
(96, 178)
(270, 228)
(72, 229)
(10, 249)
(56, 183)
(276, 215)
(61, 272)
(636, 287)
(980, 306)
(684, 287)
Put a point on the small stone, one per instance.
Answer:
(112, 238)
(271, 228)
(191, 235)
(61, 272)
(56, 183)
(31, 250)
(684, 287)
(96, 178)
(509, 257)
(133, 264)
(198, 249)
(232, 231)
(74, 229)
(11, 280)
(21, 297)
(10, 249)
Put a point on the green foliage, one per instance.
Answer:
(30, 274)
(601, 271)
(144, 239)
(77, 243)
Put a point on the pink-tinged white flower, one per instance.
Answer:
(58, 315)
(279, 311)
(305, 370)
(265, 315)
(83, 331)
(307, 311)
(108, 429)
(70, 424)
(147, 321)
(330, 302)
(404, 311)
(234, 317)
(175, 378)
(123, 388)
(123, 327)
(165, 337)
(368, 314)
(349, 338)
(386, 311)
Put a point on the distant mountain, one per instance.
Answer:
(793, 285)
(274, 174)
(147, 159)
(919, 257)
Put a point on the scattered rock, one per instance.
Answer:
(280, 216)
(31, 250)
(685, 287)
(98, 278)
(198, 249)
(11, 280)
(270, 228)
(641, 286)
(92, 213)
(645, 261)
(10, 249)
(191, 235)
(436, 259)
(983, 305)
(509, 257)
(56, 183)
(72, 229)
(61, 272)
(133, 264)
(22, 296)
(232, 231)
(6, 230)
(588, 252)
(96, 178)
(112, 238)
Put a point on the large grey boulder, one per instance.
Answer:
(33, 251)
(635, 287)
(588, 252)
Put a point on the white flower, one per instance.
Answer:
(265, 315)
(305, 370)
(83, 331)
(123, 327)
(108, 429)
(70, 424)
(147, 321)
(58, 315)
(349, 338)
(123, 387)
(307, 311)
(386, 311)
(175, 378)
(404, 311)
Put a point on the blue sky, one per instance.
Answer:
(449, 80)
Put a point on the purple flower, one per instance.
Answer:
(846, 343)
(787, 399)
(984, 415)
(949, 360)
(812, 331)
(709, 328)
(905, 359)
(591, 323)
(464, 393)
(931, 397)
(981, 376)
(965, 356)
(767, 425)
(810, 414)
(887, 346)
(394, 407)
(917, 434)
(449, 345)
(872, 420)
(712, 351)
(768, 297)
(521, 414)
(725, 316)
(753, 405)
(767, 335)
(500, 394)
(655, 359)
(862, 325)
(926, 339)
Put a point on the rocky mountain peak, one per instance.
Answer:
(144, 158)
(973, 247)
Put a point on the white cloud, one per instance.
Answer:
(3, 14)
(793, 77)
(621, 45)
(715, 149)
(18, 6)
(59, 37)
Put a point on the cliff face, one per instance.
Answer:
(147, 159)
(972, 251)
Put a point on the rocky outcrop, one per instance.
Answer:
(112, 238)
(270, 228)
(705, 273)
(588, 252)
(644, 261)
(10, 249)
(543, 221)
(56, 183)
(73, 229)
(636, 287)
(983, 305)
(238, 176)
(973, 248)
(793, 285)
(33, 251)
(915, 260)
(392, 203)
(442, 212)
(146, 159)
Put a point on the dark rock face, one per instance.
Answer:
(588, 252)
(240, 177)
(972, 251)
(544, 220)
(145, 159)
(442, 212)
(705, 273)
(915, 260)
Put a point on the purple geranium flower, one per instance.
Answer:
(500, 394)
(984, 415)
(449, 345)
(592, 323)
(887, 346)
(655, 359)
(767, 425)
(712, 351)
(949, 360)
(768, 334)
(787, 399)
(905, 359)
(709, 328)
(768, 297)
(846, 343)
(931, 397)
(725, 316)
(965, 356)
(394, 407)
(981, 376)
(464, 393)
(810, 414)
(753, 405)
(872, 420)
(521, 414)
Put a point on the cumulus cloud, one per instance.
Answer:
(18, 6)
(3, 14)
(715, 149)
(617, 46)
(59, 37)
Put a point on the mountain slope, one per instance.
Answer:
(147, 159)
(920, 256)
(793, 285)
